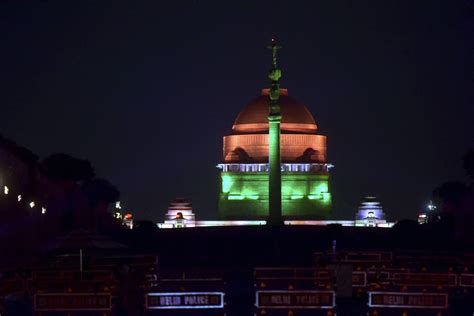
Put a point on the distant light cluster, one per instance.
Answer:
(31, 204)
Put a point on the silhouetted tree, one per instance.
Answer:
(67, 168)
(405, 230)
(101, 191)
(468, 163)
(100, 194)
(145, 227)
(450, 195)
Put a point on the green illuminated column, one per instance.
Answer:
(274, 159)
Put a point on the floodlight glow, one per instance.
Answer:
(43, 210)
(5, 189)
(326, 197)
(431, 206)
(236, 197)
(19, 197)
(227, 182)
(252, 197)
(117, 205)
(32, 204)
(302, 195)
(296, 197)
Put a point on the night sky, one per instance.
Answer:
(146, 91)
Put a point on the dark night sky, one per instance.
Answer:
(146, 90)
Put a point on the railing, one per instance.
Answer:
(285, 167)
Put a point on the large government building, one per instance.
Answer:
(274, 169)
(305, 191)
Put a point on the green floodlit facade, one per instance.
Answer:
(244, 178)
(274, 164)
(244, 195)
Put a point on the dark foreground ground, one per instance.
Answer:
(225, 259)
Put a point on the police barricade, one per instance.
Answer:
(359, 283)
(68, 286)
(407, 304)
(72, 274)
(186, 293)
(361, 262)
(414, 293)
(294, 291)
(145, 266)
(466, 280)
(296, 302)
(180, 303)
(12, 285)
(72, 281)
(379, 276)
(359, 259)
(420, 280)
(359, 279)
(135, 261)
(435, 262)
(365, 257)
(294, 278)
(467, 261)
(72, 304)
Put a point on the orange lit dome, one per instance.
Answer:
(296, 118)
(300, 143)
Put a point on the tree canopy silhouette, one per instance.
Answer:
(468, 163)
(61, 166)
(101, 190)
(451, 193)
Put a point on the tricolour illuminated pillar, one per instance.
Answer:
(274, 158)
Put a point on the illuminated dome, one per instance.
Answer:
(296, 118)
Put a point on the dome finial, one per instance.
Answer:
(274, 76)
(275, 73)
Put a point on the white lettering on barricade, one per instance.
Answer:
(170, 300)
(408, 300)
(295, 299)
(72, 302)
(196, 300)
(185, 300)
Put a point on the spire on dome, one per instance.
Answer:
(274, 76)
(274, 47)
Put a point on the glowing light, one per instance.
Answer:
(43, 210)
(117, 205)
(227, 183)
(19, 197)
(32, 204)
(236, 197)
(321, 188)
(314, 197)
(431, 206)
(296, 197)
(326, 197)
(252, 197)
(5, 189)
